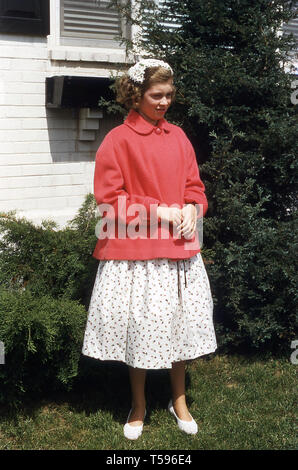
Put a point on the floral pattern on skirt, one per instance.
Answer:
(150, 313)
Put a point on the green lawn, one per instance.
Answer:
(239, 403)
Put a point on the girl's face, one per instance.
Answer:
(156, 101)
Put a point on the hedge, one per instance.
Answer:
(42, 339)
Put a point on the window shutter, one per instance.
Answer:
(89, 19)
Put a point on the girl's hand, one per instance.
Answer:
(170, 214)
(188, 225)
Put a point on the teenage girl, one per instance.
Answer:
(151, 305)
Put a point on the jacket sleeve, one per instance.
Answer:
(109, 189)
(194, 192)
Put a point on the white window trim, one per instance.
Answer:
(66, 49)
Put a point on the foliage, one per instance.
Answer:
(46, 260)
(46, 277)
(42, 339)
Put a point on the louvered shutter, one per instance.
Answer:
(89, 19)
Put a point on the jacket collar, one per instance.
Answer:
(136, 122)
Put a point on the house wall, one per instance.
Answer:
(45, 169)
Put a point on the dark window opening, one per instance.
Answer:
(25, 17)
(77, 92)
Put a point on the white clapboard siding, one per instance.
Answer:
(89, 19)
(172, 22)
(292, 26)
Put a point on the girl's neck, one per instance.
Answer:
(154, 123)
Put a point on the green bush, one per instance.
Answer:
(254, 283)
(43, 338)
(46, 260)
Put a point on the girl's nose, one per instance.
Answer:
(164, 101)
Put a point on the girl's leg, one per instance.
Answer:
(137, 385)
(177, 374)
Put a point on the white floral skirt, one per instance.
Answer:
(150, 313)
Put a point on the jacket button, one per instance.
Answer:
(158, 130)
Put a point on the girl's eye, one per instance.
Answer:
(158, 97)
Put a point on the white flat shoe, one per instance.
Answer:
(190, 427)
(132, 432)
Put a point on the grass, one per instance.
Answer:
(239, 403)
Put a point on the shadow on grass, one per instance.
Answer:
(104, 386)
(100, 386)
(108, 389)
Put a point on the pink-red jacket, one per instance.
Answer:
(138, 167)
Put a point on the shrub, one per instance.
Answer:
(254, 283)
(46, 260)
(42, 337)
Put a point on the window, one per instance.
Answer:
(76, 92)
(24, 17)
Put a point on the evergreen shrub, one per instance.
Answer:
(47, 260)
(42, 339)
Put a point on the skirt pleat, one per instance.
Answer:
(150, 313)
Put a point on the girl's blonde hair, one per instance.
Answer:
(130, 93)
